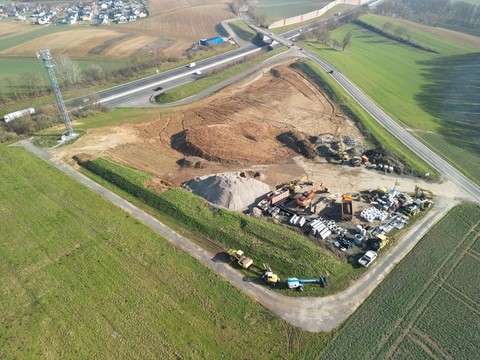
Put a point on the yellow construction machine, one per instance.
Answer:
(423, 193)
(342, 154)
(239, 256)
(297, 184)
(269, 276)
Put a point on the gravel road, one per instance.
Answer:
(311, 314)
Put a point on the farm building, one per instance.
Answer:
(211, 41)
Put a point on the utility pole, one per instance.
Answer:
(46, 58)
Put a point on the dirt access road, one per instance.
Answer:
(311, 314)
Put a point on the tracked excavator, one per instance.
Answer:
(306, 198)
(297, 184)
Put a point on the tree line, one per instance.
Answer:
(434, 12)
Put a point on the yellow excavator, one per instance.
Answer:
(342, 154)
(297, 184)
(422, 193)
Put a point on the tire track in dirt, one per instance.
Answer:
(435, 276)
(457, 294)
(428, 344)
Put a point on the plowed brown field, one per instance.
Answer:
(171, 27)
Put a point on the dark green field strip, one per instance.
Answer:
(410, 349)
(476, 245)
(400, 298)
(452, 326)
(82, 279)
(466, 278)
(37, 31)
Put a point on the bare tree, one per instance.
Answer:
(68, 70)
(400, 31)
(347, 40)
(323, 36)
(387, 26)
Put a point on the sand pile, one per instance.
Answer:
(228, 190)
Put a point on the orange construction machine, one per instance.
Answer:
(306, 198)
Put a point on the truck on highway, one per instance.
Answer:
(367, 259)
(192, 64)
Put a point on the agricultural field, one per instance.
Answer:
(428, 306)
(433, 94)
(82, 279)
(274, 10)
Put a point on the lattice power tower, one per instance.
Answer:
(46, 58)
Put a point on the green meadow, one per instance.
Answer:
(435, 95)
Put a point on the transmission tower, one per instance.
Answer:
(46, 58)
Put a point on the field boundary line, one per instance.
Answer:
(428, 342)
(457, 294)
(473, 253)
(434, 276)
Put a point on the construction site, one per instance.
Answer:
(273, 146)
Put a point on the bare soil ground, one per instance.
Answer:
(175, 25)
(238, 130)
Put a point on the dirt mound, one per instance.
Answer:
(228, 190)
(252, 143)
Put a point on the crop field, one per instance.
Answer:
(275, 9)
(82, 279)
(434, 95)
(428, 306)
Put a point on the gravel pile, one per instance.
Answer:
(228, 190)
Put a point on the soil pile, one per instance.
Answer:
(230, 190)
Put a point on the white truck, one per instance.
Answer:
(192, 64)
(367, 259)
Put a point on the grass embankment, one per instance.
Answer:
(82, 279)
(368, 125)
(428, 306)
(193, 88)
(432, 94)
(242, 30)
(287, 252)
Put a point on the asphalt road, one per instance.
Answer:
(471, 190)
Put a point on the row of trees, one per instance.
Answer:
(434, 12)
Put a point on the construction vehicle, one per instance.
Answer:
(379, 242)
(269, 276)
(342, 154)
(347, 209)
(367, 259)
(423, 193)
(356, 161)
(306, 198)
(239, 256)
(297, 184)
(294, 283)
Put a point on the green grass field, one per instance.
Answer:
(275, 9)
(82, 279)
(435, 95)
(428, 306)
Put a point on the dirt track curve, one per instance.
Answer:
(311, 314)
